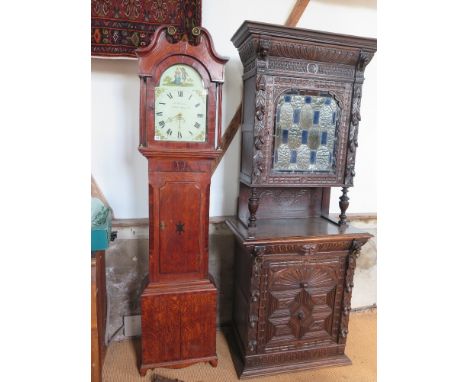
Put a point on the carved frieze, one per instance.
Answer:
(315, 53)
(265, 48)
(307, 248)
(279, 65)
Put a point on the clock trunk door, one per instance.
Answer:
(179, 231)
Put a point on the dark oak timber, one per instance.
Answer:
(294, 264)
(178, 306)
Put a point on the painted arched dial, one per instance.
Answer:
(305, 133)
(180, 106)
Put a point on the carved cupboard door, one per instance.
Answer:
(301, 303)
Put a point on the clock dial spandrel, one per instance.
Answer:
(180, 106)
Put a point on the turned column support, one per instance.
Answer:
(253, 206)
(344, 204)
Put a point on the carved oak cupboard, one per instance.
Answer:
(180, 125)
(294, 264)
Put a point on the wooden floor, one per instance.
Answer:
(121, 365)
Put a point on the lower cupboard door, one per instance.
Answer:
(302, 303)
(160, 328)
(198, 325)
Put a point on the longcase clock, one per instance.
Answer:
(180, 134)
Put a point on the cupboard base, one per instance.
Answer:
(178, 325)
(249, 366)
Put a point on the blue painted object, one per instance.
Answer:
(101, 225)
(296, 115)
(323, 140)
(293, 156)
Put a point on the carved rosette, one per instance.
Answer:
(257, 253)
(260, 133)
(348, 289)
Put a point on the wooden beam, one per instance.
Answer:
(233, 126)
(296, 13)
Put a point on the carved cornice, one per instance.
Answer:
(275, 40)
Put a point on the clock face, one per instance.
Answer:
(180, 106)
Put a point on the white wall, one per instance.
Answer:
(121, 171)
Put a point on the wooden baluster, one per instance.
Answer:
(344, 203)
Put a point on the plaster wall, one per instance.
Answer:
(121, 171)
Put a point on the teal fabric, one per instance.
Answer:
(100, 225)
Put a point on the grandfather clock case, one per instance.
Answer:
(180, 125)
(294, 263)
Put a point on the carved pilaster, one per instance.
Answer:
(257, 253)
(348, 289)
(259, 128)
(344, 204)
(364, 59)
(353, 135)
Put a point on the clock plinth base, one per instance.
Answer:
(178, 324)
(144, 368)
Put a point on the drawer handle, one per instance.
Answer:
(300, 315)
(304, 285)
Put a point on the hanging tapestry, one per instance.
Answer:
(118, 27)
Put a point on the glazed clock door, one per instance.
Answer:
(181, 234)
(305, 133)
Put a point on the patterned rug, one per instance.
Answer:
(118, 27)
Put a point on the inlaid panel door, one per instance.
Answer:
(301, 302)
(180, 233)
